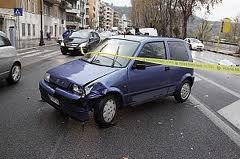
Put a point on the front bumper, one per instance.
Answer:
(70, 104)
(73, 50)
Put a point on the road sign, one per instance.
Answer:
(226, 25)
(18, 12)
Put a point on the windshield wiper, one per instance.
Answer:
(115, 58)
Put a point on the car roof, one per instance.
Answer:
(144, 38)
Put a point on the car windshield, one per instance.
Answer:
(195, 41)
(80, 34)
(114, 47)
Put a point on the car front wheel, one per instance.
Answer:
(183, 92)
(105, 111)
(15, 74)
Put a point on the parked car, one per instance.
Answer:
(195, 44)
(10, 66)
(102, 84)
(84, 38)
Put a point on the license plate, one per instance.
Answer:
(54, 100)
(70, 48)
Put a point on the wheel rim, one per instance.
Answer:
(185, 91)
(109, 110)
(16, 73)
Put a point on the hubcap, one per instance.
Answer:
(185, 91)
(16, 73)
(109, 110)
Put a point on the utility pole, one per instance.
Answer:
(41, 43)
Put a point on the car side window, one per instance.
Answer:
(4, 42)
(153, 50)
(96, 36)
(178, 51)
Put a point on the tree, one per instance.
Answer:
(189, 6)
(204, 30)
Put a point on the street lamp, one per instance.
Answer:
(41, 43)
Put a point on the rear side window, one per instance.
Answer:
(153, 50)
(4, 41)
(178, 51)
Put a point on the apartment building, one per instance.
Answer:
(75, 17)
(92, 13)
(116, 19)
(28, 25)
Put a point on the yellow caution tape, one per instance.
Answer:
(185, 64)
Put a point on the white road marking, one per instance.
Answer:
(197, 79)
(29, 52)
(232, 113)
(219, 86)
(51, 54)
(233, 135)
(39, 53)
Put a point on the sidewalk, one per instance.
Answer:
(231, 51)
(25, 44)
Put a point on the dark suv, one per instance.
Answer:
(85, 39)
(103, 83)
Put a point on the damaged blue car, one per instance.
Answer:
(103, 84)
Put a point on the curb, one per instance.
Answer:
(36, 47)
(230, 54)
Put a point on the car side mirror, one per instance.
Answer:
(137, 66)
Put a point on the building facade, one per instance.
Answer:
(28, 26)
(92, 13)
(116, 19)
(75, 17)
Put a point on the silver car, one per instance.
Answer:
(10, 66)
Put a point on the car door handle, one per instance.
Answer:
(167, 68)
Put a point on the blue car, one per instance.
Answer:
(102, 83)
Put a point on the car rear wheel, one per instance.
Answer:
(183, 92)
(15, 74)
(105, 111)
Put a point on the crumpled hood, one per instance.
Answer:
(78, 72)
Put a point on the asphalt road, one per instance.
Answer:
(30, 128)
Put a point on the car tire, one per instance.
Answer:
(15, 74)
(105, 111)
(183, 91)
(64, 52)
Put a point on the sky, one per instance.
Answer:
(228, 8)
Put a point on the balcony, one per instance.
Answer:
(74, 11)
(65, 4)
(53, 1)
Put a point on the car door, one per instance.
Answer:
(6, 56)
(97, 38)
(152, 82)
(91, 40)
(178, 51)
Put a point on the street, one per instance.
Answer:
(202, 127)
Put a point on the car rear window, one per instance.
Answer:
(178, 51)
(4, 41)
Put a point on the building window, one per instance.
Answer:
(23, 29)
(29, 30)
(33, 29)
(47, 10)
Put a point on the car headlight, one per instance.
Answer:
(83, 44)
(78, 90)
(88, 89)
(62, 44)
(47, 77)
